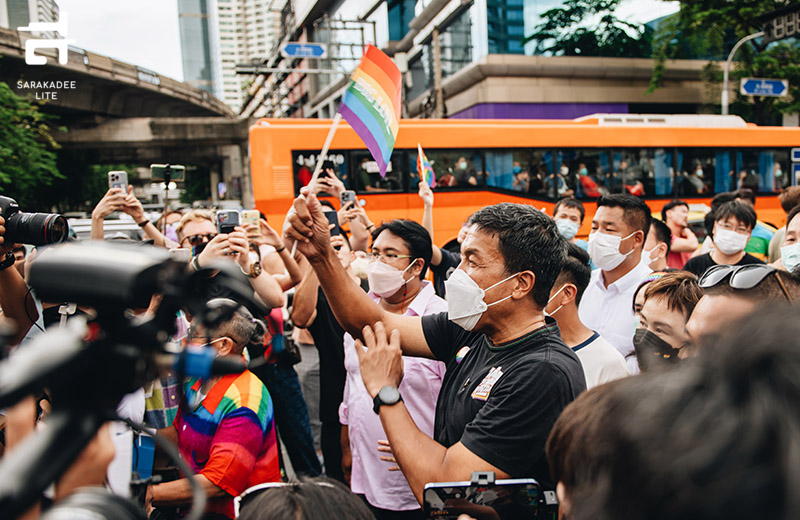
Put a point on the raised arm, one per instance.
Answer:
(133, 207)
(293, 275)
(304, 304)
(113, 200)
(426, 194)
(351, 306)
(685, 244)
(360, 226)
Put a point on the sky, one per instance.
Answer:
(145, 32)
(141, 32)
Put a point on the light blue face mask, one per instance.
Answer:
(567, 228)
(790, 256)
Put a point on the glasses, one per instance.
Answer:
(196, 240)
(741, 276)
(388, 258)
(250, 493)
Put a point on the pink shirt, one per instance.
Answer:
(422, 380)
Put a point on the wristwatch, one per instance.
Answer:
(255, 270)
(8, 261)
(388, 395)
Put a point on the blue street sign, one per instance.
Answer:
(304, 50)
(764, 87)
(795, 154)
(795, 173)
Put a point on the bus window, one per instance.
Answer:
(456, 168)
(368, 176)
(696, 171)
(304, 163)
(511, 170)
(761, 170)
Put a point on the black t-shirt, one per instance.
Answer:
(502, 401)
(699, 264)
(329, 339)
(443, 271)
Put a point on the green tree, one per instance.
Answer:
(197, 185)
(708, 29)
(564, 31)
(27, 159)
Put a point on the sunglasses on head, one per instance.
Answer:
(741, 276)
(196, 240)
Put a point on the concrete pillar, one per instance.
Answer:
(214, 179)
(234, 173)
(791, 119)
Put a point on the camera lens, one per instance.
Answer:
(37, 229)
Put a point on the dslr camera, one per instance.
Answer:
(36, 229)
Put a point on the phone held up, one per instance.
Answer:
(118, 179)
(227, 220)
(251, 217)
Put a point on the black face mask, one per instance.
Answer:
(652, 351)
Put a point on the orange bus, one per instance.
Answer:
(484, 162)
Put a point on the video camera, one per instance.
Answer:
(37, 229)
(89, 367)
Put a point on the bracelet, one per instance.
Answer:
(371, 226)
(281, 249)
(143, 223)
(195, 264)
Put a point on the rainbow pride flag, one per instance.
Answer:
(424, 167)
(371, 104)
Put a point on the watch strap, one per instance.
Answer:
(8, 261)
(377, 402)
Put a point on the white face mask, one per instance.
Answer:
(385, 280)
(465, 304)
(730, 242)
(790, 256)
(551, 299)
(604, 250)
(567, 228)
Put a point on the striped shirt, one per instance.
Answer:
(229, 436)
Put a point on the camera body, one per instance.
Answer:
(37, 229)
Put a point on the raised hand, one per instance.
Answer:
(307, 224)
(113, 200)
(382, 363)
(426, 194)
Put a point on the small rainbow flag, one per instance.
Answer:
(424, 167)
(371, 104)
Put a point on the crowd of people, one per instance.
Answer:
(642, 373)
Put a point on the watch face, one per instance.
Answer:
(389, 395)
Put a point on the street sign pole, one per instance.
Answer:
(725, 94)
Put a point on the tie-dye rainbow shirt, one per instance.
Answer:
(229, 437)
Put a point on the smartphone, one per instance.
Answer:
(347, 197)
(333, 218)
(160, 172)
(227, 219)
(249, 217)
(511, 499)
(118, 179)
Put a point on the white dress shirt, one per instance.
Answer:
(609, 310)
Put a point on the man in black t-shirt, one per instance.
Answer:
(733, 223)
(509, 375)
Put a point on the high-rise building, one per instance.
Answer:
(199, 44)
(20, 13)
(248, 30)
(216, 35)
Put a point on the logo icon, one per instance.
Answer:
(60, 44)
